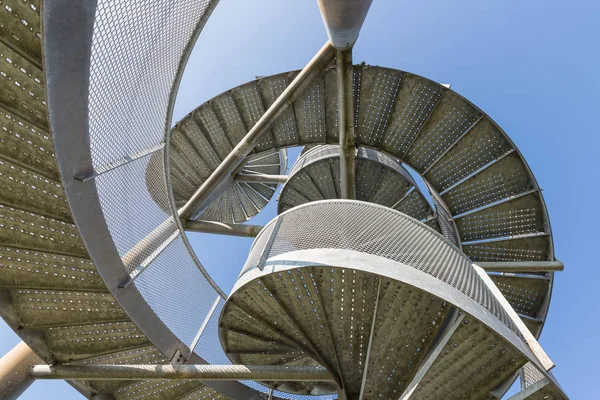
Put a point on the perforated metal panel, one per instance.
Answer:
(372, 229)
(307, 296)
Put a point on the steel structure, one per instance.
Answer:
(364, 286)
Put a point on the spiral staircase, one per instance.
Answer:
(367, 284)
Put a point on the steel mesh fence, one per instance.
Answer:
(137, 47)
(136, 56)
(380, 231)
(530, 374)
(177, 291)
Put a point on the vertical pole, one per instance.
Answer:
(14, 371)
(346, 123)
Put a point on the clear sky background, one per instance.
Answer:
(533, 66)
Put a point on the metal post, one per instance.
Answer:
(151, 244)
(184, 372)
(436, 349)
(264, 178)
(14, 371)
(343, 20)
(528, 337)
(346, 124)
(521, 266)
(245, 146)
(221, 228)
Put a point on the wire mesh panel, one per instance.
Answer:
(530, 374)
(209, 346)
(136, 52)
(136, 56)
(130, 211)
(376, 230)
(177, 291)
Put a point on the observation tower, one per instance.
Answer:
(411, 256)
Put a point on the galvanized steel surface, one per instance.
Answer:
(466, 160)
(48, 267)
(487, 188)
(291, 308)
(380, 179)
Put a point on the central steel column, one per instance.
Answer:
(345, 98)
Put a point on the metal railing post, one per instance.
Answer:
(346, 124)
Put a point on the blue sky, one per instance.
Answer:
(532, 65)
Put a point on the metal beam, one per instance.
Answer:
(245, 146)
(528, 337)
(521, 266)
(181, 372)
(371, 334)
(345, 100)
(343, 20)
(530, 391)
(263, 178)
(453, 323)
(14, 371)
(220, 228)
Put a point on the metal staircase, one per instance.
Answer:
(396, 293)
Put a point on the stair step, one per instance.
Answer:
(26, 144)
(310, 113)
(416, 99)
(526, 296)
(72, 343)
(376, 104)
(415, 205)
(30, 191)
(23, 85)
(473, 363)
(480, 146)
(451, 117)
(519, 249)
(500, 180)
(26, 37)
(46, 308)
(39, 270)
(521, 216)
(284, 128)
(31, 231)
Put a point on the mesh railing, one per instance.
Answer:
(376, 230)
(138, 50)
(530, 374)
(320, 152)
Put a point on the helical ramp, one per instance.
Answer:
(411, 256)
